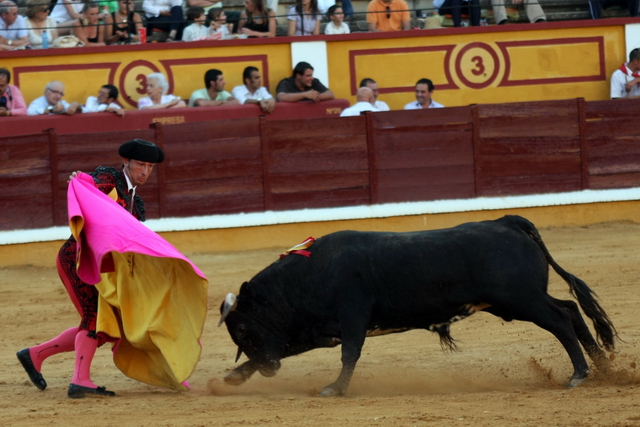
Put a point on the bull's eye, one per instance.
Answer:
(241, 331)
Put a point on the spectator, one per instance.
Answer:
(533, 9)
(371, 84)
(337, 25)
(596, 6)
(65, 13)
(302, 85)
(13, 32)
(424, 90)
(257, 20)
(213, 94)
(89, 30)
(38, 21)
(164, 16)
(11, 100)
(51, 102)
(347, 7)
(456, 8)
(105, 101)
(625, 81)
(365, 100)
(304, 18)
(207, 5)
(252, 91)
(108, 7)
(219, 28)
(157, 88)
(123, 25)
(197, 30)
(388, 15)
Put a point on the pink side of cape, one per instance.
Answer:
(108, 227)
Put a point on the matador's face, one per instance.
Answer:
(138, 171)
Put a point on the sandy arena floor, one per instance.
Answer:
(504, 374)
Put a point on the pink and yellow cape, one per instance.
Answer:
(153, 300)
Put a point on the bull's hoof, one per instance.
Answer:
(235, 378)
(268, 373)
(329, 391)
(574, 382)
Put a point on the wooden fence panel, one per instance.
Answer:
(613, 143)
(317, 163)
(213, 167)
(423, 155)
(614, 161)
(25, 174)
(528, 148)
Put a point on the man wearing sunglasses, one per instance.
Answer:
(13, 32)
(51, 102)
(388, 15)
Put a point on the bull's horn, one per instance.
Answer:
(229, 305)
(238, 354)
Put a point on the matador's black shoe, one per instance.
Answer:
(36, 377)
(78, 391)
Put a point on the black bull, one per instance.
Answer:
(359, 284)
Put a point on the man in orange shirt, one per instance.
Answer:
(388, 15)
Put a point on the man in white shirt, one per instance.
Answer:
(625, 82)
(13, 28)
(106, 101)
(371, 84)
(252, 91)
(424, 90)
(52, 102)
(364, 96)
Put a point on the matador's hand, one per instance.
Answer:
(73, 175)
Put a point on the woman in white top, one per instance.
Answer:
(65, 13)
(157, 88)
(38, 20)
(304, 18)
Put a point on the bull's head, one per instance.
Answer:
(250, 331)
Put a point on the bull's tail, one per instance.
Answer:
(605, 331)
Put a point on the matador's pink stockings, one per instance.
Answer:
(85, 349)
(60, 344)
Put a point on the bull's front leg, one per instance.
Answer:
(350, 357)
(354, 333)
(241, 373)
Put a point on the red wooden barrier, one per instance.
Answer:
(317, 163)
(255, 163)
(423, 154)
(528, 148)
(613, 138)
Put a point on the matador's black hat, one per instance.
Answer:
(139, 149)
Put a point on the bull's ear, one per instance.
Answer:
(245, 290)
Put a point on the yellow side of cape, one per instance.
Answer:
(157, 308)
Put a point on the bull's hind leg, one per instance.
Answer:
(584, 334)
(549, 316)
(545, 313)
